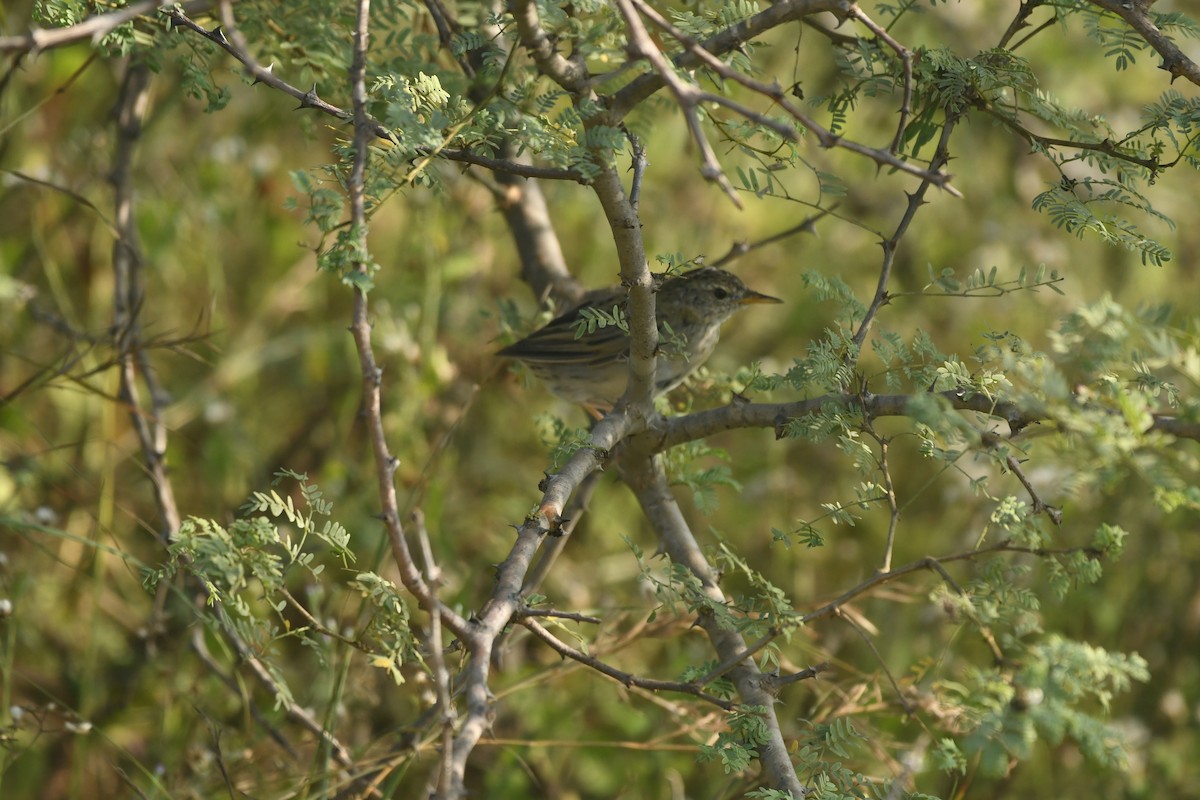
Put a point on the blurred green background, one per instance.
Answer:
(262, 375)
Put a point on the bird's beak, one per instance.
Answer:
(757, 297)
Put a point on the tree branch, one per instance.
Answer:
(705, 56)
(128, 298)
(677, 430)
(360, 328)
(1174, 60)
(93, 28)
(906, 65)
(626, 678)
(645, 476)
(688, 96)
(310, 99)
(941, 156)
(506, 597)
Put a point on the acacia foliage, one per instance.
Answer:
(958, 562)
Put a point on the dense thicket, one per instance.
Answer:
(925, 529)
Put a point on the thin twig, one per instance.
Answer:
(437, 658)
(688, 96)
(941, 157)
(551, 613)
(200, 648)
(128, 299)
(906, 63)
(889, 493)
(840, 614)
(1039, 505)
(739, 249)
(1106, 147)
(626, 678)
(93, 28)
(705, 54)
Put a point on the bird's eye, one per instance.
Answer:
(720, 293)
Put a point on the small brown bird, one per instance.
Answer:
(592, 369)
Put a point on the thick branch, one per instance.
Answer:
(626, 228)
(93, 28)
(506, 598)
(543, 266)
(570, 74)
(1174, 60)
(677, 430)
(645, 476)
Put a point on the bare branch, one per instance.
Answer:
(570, 74)
(1039, 505)
(687, 95)
(506, 599)
(906, 63)
(93, 28)
(935, 564)
(849, 620)
(128, 299)
(705, 54)
(781, 13)
(1174, 59)
(739, 249)
(385, 462)
(626, 678)
(551, 613)
(543, 266)
(566, 526)
(941, 156)
(890, 493)
(626, 228)
(677, 430)
(1106, 147)
(645, 476)
(441, 676)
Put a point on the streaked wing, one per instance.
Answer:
(556, 343)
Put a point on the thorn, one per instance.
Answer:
(268, 71)
(218, 33)
(310, 98)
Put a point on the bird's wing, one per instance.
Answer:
(556, 343)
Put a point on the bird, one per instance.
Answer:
(582, 356)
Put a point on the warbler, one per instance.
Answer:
(592, 369)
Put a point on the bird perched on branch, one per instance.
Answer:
(583, 355)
